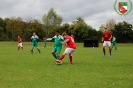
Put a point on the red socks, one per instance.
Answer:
(70, 57)
(62, 56)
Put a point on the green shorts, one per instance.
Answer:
(57, 49)
(35, 44)
(114, 44)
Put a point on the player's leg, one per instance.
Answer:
(109, 45)
(58, 52)
(104, 45)
(45, 44)
(70, 56)
(36, 45)
(53, 52)
(63, 55)
(18, 46)
(32, 49)
(38, 50)
(21, 46)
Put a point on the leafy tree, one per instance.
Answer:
(14, 27)
(123, 32)
(51, 19)
(80, 29)
(31, 26)
(110, 24)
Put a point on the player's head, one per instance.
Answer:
(18, 36)
(57, 33)
(34, 33)
(105, 29)
(64, 34)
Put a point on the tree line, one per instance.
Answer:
(10, 28)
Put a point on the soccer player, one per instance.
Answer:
(34, 42)
(44, 39)
(57, 45)
(20, 43)
(106, 38)
(114, 43)
(71, 46)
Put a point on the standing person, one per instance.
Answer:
(106, 38)
(57, 45)
(20, 43)
(44, 42)
(34, 42)
(114, 43)
(71, 46)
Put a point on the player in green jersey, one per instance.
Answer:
(44, 39)
(57, 45)
(34, 42)
(114, 43)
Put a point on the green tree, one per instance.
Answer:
(80, 29)
(123, 32)
(33, 25)
(14, 27)
(51, 19)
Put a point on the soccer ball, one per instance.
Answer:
(59, 63)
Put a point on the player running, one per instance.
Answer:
(114, 43)
(20, 43)
(34, 42)
(57, 45)
(106, 38)
(71, 46)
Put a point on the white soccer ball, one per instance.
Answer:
(59, 63)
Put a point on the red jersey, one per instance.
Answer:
(19, 40)
(70, 43)
(106, 36)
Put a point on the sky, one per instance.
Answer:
(94, 12)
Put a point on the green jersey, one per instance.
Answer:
(57, 40)
(34, 39)
(114, 40)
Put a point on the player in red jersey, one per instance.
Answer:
(106, 38)
(71, 46)
(20, 43)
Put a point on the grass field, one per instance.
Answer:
(21, 69)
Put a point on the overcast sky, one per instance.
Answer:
(94, 12)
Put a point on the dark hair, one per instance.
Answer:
(57, 31)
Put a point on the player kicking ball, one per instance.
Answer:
(106, 38)
(71, 46)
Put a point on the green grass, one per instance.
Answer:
(21, 69)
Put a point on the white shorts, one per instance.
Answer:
(105, 43)
(20, 44)
(69, 51)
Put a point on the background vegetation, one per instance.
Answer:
(10, 28)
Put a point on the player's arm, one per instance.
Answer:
(110, 37)
(49, 39)
(102, 39)
(65, 41)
